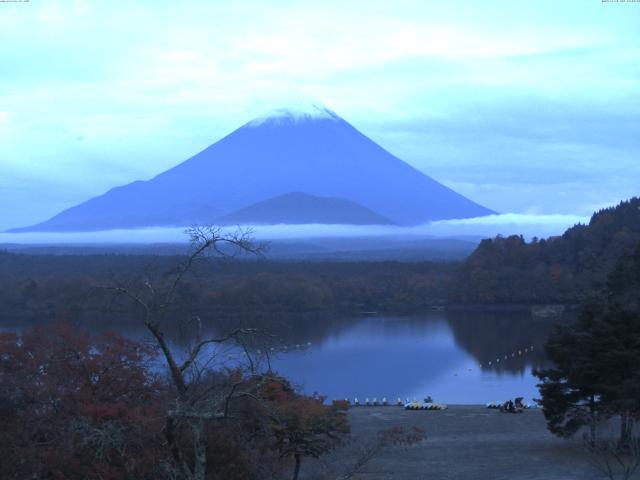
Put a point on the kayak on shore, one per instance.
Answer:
(425, 406)
(511, 406)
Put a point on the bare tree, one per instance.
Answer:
(613, 461)
(199, 397)
(394, 436)
(613, 458)
(358, 452)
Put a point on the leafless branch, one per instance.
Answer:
(613, 460)
(195, 351)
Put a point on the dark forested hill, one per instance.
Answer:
(558, 269)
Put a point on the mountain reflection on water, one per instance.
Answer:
(442, 354)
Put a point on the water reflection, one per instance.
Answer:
(443, 354)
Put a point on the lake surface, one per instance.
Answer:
(462, 357)
(454, 357)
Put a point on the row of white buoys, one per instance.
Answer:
(414, 404)
(272, 350)
(519, 352)
(288, 348)
(371, 403)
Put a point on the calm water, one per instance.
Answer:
(442, 354)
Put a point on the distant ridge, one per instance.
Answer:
(300, 208)
(312, 151)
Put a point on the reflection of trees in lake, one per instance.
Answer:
(484, 334)
(98, 315)
(489, 335)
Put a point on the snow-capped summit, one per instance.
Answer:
(295, 112)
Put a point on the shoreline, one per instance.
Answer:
(462, 442)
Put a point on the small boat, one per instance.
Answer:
(516, 406)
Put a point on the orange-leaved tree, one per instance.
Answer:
(76, 406)
(303, 425)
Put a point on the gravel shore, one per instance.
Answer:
(463, 442)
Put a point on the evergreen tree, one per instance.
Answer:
(571, 390)
(596, 369)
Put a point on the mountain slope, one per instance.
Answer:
(319, 153)
(564, 269)
(299, 208)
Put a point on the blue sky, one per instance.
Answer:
(529, 107)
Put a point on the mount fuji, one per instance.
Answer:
(313, 153)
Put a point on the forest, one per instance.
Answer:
(503, 270)
(564, 269)
(77, 405)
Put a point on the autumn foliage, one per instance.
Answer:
(80, 406)
(77, 406)
(304, 426)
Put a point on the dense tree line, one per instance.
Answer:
(563, 269)
(502, 270)
(35, 288)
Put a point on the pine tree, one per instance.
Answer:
(596, 371)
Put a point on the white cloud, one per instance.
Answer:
(489, 226)
(528, 225)
(117, 94)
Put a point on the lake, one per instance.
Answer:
(455, 356)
